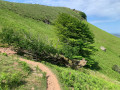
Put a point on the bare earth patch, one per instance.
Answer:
(52, 82)
(8, 51)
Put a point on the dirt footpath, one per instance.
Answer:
(52, 82)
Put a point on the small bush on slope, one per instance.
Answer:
(76, 36)
(116, 68)
(83, 15)
(25, 66)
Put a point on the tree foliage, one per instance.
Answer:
(76, 37)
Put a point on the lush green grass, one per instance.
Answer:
(83, 79)
(48, 33)
(36, 29)
(16, 75)
(37, 12)
(109, 58)
(12, 74)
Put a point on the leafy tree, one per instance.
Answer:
(83, 15)
(76, 37)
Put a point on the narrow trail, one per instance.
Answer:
(52, 82)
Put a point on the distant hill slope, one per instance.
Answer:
(8, 17)
(36, 11)
(117, 35)
(109, 58)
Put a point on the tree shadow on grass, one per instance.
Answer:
(95, 66)
(45, 57)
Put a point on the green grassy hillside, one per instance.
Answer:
(37, 12)
(16, 75)
(83, 79)
(12, 15)
(17, 22)
(109, 58)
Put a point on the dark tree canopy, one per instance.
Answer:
(76, 36)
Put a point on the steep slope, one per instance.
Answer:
(52, 82)
(12, 16)
(12, 20)
(109, 58)
(36, 11)
(16, 75)
(83, 79)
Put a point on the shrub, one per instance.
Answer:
(5, 54)
(116, 68)
(8, 80)
(24, 40)
(25, 66)
(76, 37)
(83, 15)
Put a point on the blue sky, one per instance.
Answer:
(104, 14)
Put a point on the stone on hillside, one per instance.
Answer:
(78, 64)
(82, 62)
(103, 48)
